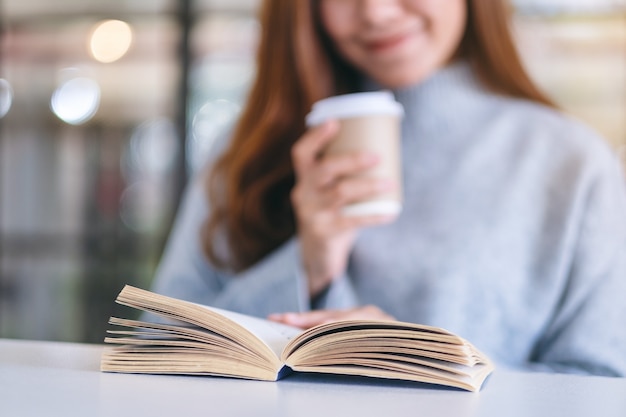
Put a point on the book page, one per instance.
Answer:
(264, 339)
(275, 335)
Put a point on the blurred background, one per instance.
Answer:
(107, 108)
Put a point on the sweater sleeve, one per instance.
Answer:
(588, 331)
(275, 284)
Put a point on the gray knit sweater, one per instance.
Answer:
(513, 235)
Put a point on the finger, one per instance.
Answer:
(305, 320)
(306, 150)
(368, 312)
(313, 318)
(325, 187)
(331, 168)
(350, 190)
(360, 222)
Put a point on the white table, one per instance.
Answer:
(62, 379)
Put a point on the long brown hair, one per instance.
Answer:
(249, 185)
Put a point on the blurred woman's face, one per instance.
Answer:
(395, 42)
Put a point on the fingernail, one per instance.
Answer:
(330, 125)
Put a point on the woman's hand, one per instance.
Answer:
(313, 318)
(323, 186)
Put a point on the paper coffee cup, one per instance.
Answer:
(368, 122)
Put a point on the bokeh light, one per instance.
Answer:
(210, 122)
(142, 208)
(76, 100)
(147, 163)
(110, 40)
(153, 147)
(6, 97)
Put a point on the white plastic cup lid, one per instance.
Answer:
(375, 207)
(354, 105)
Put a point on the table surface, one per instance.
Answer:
(63, 379)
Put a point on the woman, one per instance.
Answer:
(512, 232)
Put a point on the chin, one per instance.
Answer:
(398, 80)
(400, 76)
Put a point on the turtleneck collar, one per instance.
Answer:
(445, 100)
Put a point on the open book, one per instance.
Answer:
(203, 340)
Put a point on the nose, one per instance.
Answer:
(380, 12)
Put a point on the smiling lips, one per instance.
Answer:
(387, 43)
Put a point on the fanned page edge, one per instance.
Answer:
(339, 326)
(259, 332)
(479, 372)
